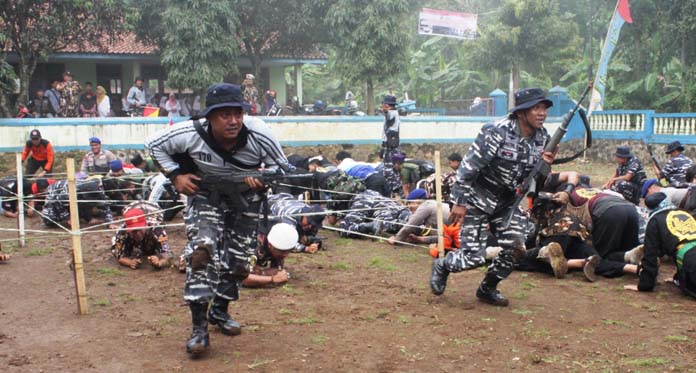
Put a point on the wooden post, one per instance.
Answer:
(78, 266)
(20, 202)
(438, 196)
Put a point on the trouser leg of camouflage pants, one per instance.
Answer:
(351, 222)
(217, 254)
(473, 236)
(392, 177)
(509, 239)
(391, 220)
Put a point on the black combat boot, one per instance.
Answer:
(198, 342)
(217, 315)
(438, 278)
(488, 293)
(366, 228)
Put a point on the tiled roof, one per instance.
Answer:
(125, 44)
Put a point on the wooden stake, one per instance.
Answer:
(20, 202)
(82, 305)
(438, 196)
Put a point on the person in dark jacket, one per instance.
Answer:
(670, 232)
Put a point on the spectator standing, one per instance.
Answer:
(54, 98)
(88, 102)
(173, 106)
(103, 103)
(70, 95)
(40, 106)
(136, 97)
(251, 94)
(39, 153)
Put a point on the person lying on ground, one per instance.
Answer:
(338, 187)
(373, 179)
(93, 204)
(160, 190)
(306, 219)
(373, 214)
(670, 232)
(271, 252)
(118, 168)
(423, 217)
(141, 239)
(32, 193)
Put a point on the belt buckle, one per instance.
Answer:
(252, 260)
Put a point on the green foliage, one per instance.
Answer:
(196, 39)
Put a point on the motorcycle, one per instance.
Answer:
(318, 108)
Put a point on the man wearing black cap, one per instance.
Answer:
(306, 219)
(670, 232)
(502, 155)
(390, 144)
(629, 174)
(39, 153)
(97, 160)
(222, 233)
(674, 170)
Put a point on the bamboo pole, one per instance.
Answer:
(438, 196)
(78, 266)
(20, 202)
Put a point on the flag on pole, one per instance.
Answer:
(622, 14)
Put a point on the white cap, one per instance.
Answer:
(250, 76)
(283, 236)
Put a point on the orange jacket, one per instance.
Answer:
(451, 236)
(41, 152)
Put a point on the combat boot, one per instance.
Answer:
(198, 342)
(217, 315)
(590, 266)
(366, 228)
(553, 254)
(488, 293)
(438, 277)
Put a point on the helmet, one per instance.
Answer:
(319, 105)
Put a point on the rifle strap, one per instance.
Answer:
(227, 156)
(588, 139)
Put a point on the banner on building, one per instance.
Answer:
(622, 14)
(448, 24)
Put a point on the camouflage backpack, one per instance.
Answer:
(345, 185)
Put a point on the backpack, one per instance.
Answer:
(345, 185)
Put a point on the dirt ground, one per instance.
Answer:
(359, 306)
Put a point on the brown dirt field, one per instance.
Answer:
(358, 306)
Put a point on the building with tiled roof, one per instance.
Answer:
(116, 64)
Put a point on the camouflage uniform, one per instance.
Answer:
(675, 170)
(155, 241)
(494, 166)
(633, 166)
(57, 209)
(376, 214)
(159, 189)
(286, 209)
(390, 148)
(70, 98)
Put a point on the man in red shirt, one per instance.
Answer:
(41, 152)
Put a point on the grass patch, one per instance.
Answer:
(291, 260)
(521, 295)
(528, 285)
(102, 302)
(410, 257)
(382, 264)
(303, 321)
(614, 322)
(647, 362)
(129, 297)
(340, 266)
(259, 363)
(291, 290)
(488, 319)
(521, 311)
(464, 341)
(108, 271)
(676, 338)
(285, 311)
(320, 339)
(403, 319)
(342, 241)
(40, 251)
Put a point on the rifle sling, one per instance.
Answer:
(224, 154)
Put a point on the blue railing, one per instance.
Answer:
(644, 125)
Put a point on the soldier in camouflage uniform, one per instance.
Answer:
(500, 158)
(390, 144)
(70, 98)
(141, 237)
(221, 228)
(629, 174)
(283, 208)
(674, 170)
(57, 209)
(375, 214)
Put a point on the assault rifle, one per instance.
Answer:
(232, 185)
(663, 180)
(529, 187)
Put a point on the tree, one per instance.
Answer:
(35, 29)
(195, 39)
(528, 35)
(371, 39)
(289, 27)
